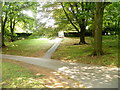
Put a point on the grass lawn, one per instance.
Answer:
(16, 74)
(80, 53)
(27, 47)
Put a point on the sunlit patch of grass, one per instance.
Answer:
(28, 47)
(24, 82)
(80, 53)
(15, 76)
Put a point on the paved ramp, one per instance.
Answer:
(49, 53)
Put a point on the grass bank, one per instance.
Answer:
(28, 47)
(69, 52)
(16, 74)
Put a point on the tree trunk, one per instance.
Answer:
(82, 26)
(12, 26)
(82, 39)
(2, 32)
(3, 22)
(98, 29)
(12, 37)
(11, 29)
(93, 26)
(80, 22)
(82, 33)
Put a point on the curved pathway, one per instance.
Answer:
(91, 76)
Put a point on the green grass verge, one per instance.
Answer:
(20, 75)
(27, 47)
(15, 76)
(80, 53)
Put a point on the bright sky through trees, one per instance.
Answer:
(29, 13)
(44, 17)
(47, 20)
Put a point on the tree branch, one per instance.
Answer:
(77, 20)
(69, 18)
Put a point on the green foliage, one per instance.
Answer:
(111, 17)
(15, 16)
(43, 31)
(85, 11)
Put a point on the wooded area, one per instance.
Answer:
(82, 17)
(59, 44)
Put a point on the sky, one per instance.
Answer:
(29, 13)
(42, 17)
(45, 17)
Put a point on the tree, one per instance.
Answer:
(111, 18)
(12, 14)
(3, 23)
(98, 27)
(78, 15)
(72, 16)
(81, 22)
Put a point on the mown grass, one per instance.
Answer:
(27, 47)
(16, 76)
(67, 51)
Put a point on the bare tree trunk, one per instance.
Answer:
(12, 26)
(82, 33)
(98, 29)
(2, 31)
(3, 22)
(82, 24)
(82, 39)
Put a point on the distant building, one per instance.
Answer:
(61, 34)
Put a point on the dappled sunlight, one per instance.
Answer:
(25, 82)
(68, 52)
(66, 81)
(92, 76)
(73, 63)
(30, 82)
(13, 45)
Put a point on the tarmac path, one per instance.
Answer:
(91, 76)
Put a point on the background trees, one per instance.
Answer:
(66, 16)
(77, 14)
(12, 14)
(80, 15)
(111, 18)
